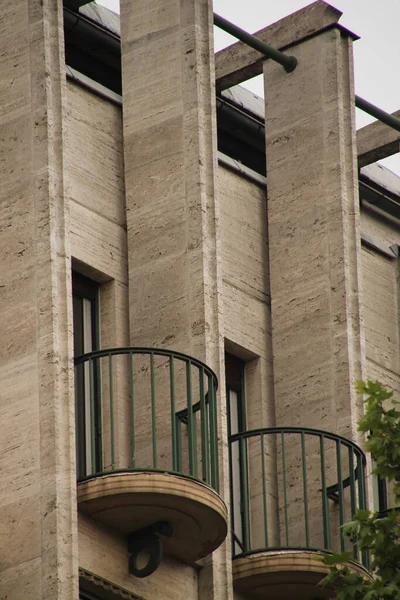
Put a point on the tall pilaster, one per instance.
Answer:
(314, 239)
(170, 177)
(37, 451)
(170, 169)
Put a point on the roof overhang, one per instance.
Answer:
(75, 4)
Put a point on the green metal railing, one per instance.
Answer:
(146, 409)
(296, 488)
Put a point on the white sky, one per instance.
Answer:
(376, 54)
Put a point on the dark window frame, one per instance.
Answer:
(86, 289)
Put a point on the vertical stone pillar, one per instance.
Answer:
(37, 444)
(314, 243)
(170, 174)
(170, 177)
(314, 240)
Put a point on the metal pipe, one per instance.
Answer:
(289, 63)
(378, 113)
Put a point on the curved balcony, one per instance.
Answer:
(147, 450)
(292, 489)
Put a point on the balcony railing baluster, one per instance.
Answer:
(112, 424)
(305, 493)
(174, 434)
(93, 428)
(153, 411)
(285, 502)
(132, 395)
(325, 507)
(264, 490)
(203, 432)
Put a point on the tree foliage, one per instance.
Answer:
(378, 535)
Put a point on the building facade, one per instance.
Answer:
(192, 279)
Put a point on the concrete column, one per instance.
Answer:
(314, 239)
(170, 177)
(38, 532)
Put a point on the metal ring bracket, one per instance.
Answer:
(147, 540)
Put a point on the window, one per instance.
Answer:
(85, 314)
(235, 395)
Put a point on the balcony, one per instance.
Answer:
(147, 454)
(292, 489)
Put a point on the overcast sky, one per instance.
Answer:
(376, 54)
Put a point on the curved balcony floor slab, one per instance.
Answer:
(284, 575)
(132, 501)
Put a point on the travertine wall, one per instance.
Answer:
(381, 324)
(95, 190)
(314, 235)
(247, 327)
(95, 184)
(246, 300)
(198, 268)
(381, 309)
(380, 290)
(38, 534)
(314, 248)
(104, 552)
(381, 317)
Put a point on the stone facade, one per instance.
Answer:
(190, 253)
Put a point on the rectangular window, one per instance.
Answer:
(85, 315)
(235, 394)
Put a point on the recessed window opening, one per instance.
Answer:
(86, 330)
(235, 394)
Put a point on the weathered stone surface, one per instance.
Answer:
(170, 152)
(314, 236)
(381, 302)
(202, 269)
(103, 551)
(38, 499)
(377, 141)
(314, 251)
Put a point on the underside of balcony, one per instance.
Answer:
(285, 575)
(130, 502)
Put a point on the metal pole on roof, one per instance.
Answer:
(378, 113)
(289, 63)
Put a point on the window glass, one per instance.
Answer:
(234, 375)
(85, 314)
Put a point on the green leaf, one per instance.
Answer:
(337, 558)
(379, 536)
